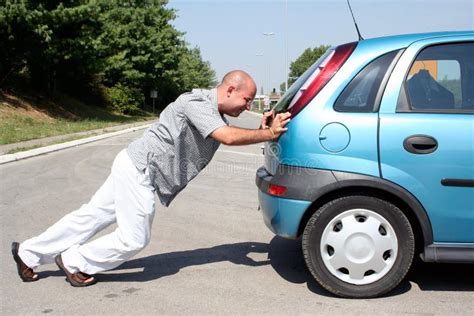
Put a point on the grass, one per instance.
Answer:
(18, 127)
(25, 116)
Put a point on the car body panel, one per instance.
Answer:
(450, 208)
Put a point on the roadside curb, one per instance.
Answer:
(52, 148)
(56, 147)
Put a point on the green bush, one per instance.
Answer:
(125, 99)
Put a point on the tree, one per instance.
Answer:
(194, 72)
(49, 37)
(138, 45)
(303, 62)
(80, 46)
(282, 88)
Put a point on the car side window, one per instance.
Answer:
(361, 93)
(441, 79)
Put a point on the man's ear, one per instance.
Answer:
(229, 90)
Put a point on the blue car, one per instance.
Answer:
(377, 165)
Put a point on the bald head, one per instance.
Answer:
(235, 93)
(238, 79)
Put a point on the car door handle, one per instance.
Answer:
(420, 144)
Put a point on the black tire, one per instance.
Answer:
(344, 207)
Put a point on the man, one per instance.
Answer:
(168, 155)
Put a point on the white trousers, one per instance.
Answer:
(126, 198)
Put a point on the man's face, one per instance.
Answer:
(239, 100)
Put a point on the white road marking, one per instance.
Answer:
(239, 153)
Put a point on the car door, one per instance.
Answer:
(426, 134)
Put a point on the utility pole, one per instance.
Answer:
(268, 34)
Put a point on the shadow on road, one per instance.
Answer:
(442, 276)
(286, 258)
(283, 255)
(162, 265)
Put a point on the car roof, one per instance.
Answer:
(393, 42)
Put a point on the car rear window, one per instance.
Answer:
(285, 102)
(360, 95)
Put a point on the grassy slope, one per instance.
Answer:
(27, 115)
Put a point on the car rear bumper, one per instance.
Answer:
(281, 215)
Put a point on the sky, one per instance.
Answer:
(231, 33)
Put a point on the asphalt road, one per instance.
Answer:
(210, 252)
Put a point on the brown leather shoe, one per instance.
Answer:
(26, 273)
(78, 279)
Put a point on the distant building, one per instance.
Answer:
(259, 102)
(262, 101)
(274, 98)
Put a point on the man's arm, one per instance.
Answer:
(231, 135)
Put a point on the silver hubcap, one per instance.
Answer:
(359, 246)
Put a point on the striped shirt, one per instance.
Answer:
(175, 149)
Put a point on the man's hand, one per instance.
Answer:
(267, 119)
(277, 127)
(231, 136)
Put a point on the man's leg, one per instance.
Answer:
(134, 209)
(74, 228)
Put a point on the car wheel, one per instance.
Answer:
(358, 246)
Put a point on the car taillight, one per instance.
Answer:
(321, 75)
(277, 190)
